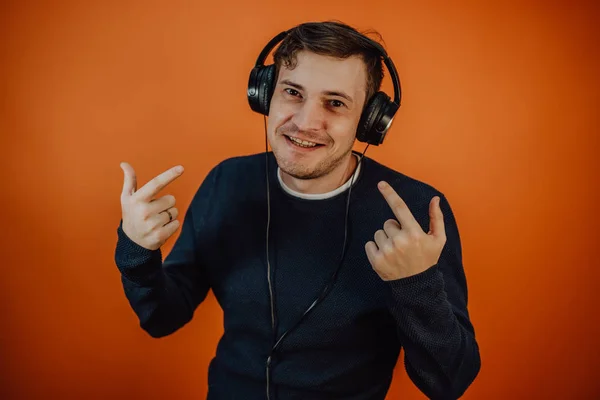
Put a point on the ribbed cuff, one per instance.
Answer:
(416, 289)
(134, 260)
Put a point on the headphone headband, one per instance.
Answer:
(260, 61)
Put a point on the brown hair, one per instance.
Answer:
(336, 39)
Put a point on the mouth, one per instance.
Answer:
(302, 143)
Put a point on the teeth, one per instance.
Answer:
(302, 143)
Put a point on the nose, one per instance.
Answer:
(309, 116)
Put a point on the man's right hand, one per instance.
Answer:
(146, 220)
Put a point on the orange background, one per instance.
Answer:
(500, 112)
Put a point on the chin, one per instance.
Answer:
(297, 168)
(306, 167)
(303, 173)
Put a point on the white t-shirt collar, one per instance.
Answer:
(320, 196)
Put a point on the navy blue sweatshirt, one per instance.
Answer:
(348, 345)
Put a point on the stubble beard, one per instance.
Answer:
(299, 170)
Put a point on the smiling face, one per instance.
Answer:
(314, 114)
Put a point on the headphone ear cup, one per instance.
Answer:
(376, 119)
(260, 88)
(267, 84)
(252, 92)
(369, 115)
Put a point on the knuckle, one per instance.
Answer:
(397, 204)
(378, 258)
(388, 250)
(145, 212)
(157, 238)
(154, 182)
(415, 236)
(157, 182)
(145, 232)
(398, 241)
(390, 223)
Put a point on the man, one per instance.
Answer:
(322, 275)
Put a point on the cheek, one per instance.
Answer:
(278, 112)
(342, 133)
(277, 119)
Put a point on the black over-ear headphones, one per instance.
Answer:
(377, 116)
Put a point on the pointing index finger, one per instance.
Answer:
(398, 206)
(159, 182)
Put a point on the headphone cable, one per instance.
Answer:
(331, 281)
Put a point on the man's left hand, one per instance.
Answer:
(402, 249)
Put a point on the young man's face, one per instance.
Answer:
(319, 101)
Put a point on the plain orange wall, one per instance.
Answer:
(500, 112)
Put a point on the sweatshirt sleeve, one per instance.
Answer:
(441, 355)
(164, 295)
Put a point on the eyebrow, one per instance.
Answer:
(328, 92)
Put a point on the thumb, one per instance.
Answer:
(436, 218)
(129, 179)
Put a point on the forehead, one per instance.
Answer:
(319, 73)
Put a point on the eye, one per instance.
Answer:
(337, 103)
(292, 92)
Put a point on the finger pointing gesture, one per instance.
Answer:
(146, 220)
(399, 208)
(406, 218)
(401, 248)
(158, 183)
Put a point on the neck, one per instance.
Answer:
(326, 183)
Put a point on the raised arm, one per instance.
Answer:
(428, 296)
(165, 294)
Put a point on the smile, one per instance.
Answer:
(302, 143)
